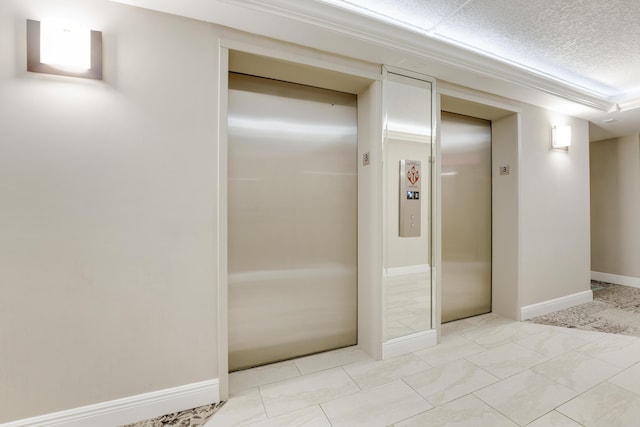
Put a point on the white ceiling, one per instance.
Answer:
(585, 51)
(592, 44)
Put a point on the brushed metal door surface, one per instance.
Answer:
(292, 215)
(466, 216)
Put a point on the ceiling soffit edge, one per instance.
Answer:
(348, 23)
(630, 104)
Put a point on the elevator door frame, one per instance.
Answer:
(505, 253)
(364, 80)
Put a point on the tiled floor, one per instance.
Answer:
(488, 371)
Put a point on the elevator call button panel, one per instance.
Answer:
(410, 193)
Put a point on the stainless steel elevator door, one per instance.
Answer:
(292, 215)
(466, 216)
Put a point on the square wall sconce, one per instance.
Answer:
(561, 137)
(62, 47)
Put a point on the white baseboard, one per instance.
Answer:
(409, 344)
(546, 307)
(616, 279)
(409, 269)
(129, 409)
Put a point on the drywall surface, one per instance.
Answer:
(369, 229)
(505, 218)
(615, 206)
(107, 212)
(554, 224)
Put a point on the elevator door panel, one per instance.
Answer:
(466, 216)
(292, 215)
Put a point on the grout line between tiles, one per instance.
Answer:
(493, 407)
(264, 407)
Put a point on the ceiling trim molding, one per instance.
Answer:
(351, 24)
(630, 104)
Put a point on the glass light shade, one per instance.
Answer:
(561, 136)
(65, 43)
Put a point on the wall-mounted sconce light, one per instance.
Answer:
(561, 137)
(57, 46)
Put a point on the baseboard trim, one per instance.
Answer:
(616, 279)
(129, 409)
(408, 344)
(409, 269)
(546, 307)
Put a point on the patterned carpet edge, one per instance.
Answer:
(615, 309)
(195, 417)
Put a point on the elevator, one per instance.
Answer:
(292, 220)
(466, 216)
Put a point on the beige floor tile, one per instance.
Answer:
(241, 409)
(526, 396)
(458, 327)
(507, 360)
(628, 379)
(330, 359)
(619, 350)
(552, 343)
(250, 378)
(307, 417)
(554, 419)
(586, 335)
(444, 383)
(490, 320)
(495, 336)
(379, 406)
(535, 328)
(577, 371)
(468, 411)
(307, 390)
(605, 405)
(451, 348)
(371, 373)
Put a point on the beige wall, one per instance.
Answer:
(505, 241)
(615, 206)
(554, 259)
(107, 192)
(369, 231)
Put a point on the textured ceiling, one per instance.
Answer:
(590, 44)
